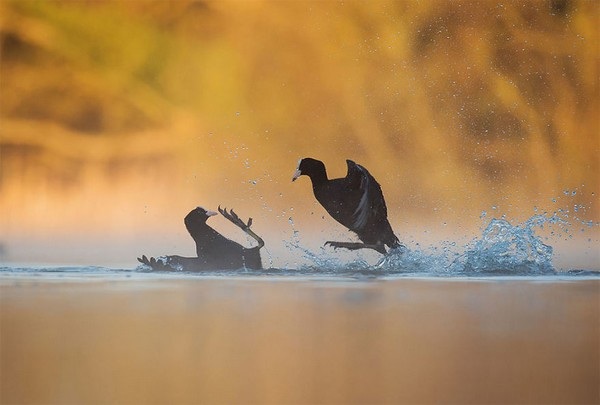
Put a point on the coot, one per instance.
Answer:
(214, 251)
(355, 201)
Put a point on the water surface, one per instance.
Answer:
(99, 335)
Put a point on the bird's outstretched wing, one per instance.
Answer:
(371, 205)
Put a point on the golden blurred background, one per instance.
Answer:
(119, 117)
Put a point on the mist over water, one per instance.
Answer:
(503, 247)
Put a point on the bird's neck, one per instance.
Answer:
(318, 178)
(200, 232)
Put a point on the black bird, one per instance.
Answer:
(355, 201)
(214, 251)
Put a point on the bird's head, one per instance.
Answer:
(308, 167)
(197, 216)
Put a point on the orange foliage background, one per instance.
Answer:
(117, 118)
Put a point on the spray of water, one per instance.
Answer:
(507, 249)
(502, 249)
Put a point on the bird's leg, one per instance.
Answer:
(235, 219)
(356, 246)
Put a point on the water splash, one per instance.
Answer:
(414, 262)
(502, 249)
(508, 249)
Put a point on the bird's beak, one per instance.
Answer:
(297, 174)
(211, 213)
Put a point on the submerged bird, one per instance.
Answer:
(214, 251)
(355, 201)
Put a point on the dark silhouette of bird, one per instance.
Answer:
(355, 201)
(213, 250)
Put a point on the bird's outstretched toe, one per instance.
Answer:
(355, 246)
(144, 260)
(344, 245)
(233, 217)
(152, 263)
(334, 245)
(330, 243)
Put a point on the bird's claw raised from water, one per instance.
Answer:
(233, 217)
